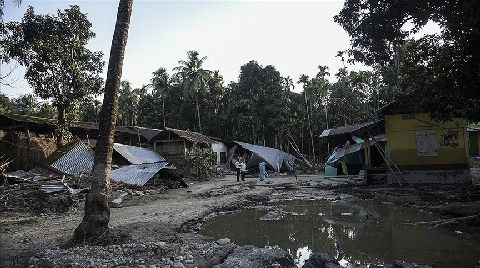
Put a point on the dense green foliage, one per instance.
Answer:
(53, 50)
(438, 73)
(261, 107)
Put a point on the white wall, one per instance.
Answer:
(219, 147)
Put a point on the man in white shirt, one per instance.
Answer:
(237, 168)
(243, 170)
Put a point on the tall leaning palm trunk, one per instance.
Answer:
(97, 213)
(198, 110)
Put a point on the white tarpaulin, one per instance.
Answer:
(275, 159)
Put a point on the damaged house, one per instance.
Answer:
(131, 165)
(275, 159)
(414, 148)
(175, 144)
(172, 143)
(356, 147)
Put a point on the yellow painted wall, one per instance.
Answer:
(401, 140)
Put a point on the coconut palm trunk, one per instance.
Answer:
(198, 112)
(97, 212)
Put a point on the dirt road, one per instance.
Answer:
(170, 211)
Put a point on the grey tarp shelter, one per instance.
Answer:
(274, 158)
(139, 174)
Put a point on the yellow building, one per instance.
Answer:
(427, 151)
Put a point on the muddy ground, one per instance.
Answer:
(160, 229)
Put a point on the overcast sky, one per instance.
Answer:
(295, 37)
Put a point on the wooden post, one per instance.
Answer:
(366, 151)
(478, 143)
(28, 145)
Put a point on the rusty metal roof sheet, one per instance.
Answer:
(49, 122)
(191, 136)
(139, 174)
(137, 155)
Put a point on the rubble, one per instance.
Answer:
(251, 256)
(29, 197)
(321, 260)
(32, 192)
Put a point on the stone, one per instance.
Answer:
(251, 256)
(319, 259)
(161, 244)
(223, 241)
(178, 265)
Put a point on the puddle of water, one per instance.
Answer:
(363, 232)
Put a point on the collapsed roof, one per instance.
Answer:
(349, 148)
(338, 136)
(73, 159)
(77, 158)
(274, 158)
(139, 174)
(191, 136)
(137, 155)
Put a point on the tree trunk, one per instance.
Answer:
(97, 212)
(312, 143)
(198, 114)
(61, 125)
(163, 112)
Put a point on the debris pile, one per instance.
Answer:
(201, 163)
(21, 192)
(25, 150)
(186, 251)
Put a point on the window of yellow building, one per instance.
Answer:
(426, 143)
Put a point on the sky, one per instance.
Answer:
(294, 36)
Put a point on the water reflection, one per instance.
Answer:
(365, 232)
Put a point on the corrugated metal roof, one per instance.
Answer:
(473, 128)
(348, 129)
(75, 161)
(53, 122)
(137, 155)
(147, 133)
(191, 136)
(138, 174)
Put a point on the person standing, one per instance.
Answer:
(262, 171)
(237, 168)
(243, 170)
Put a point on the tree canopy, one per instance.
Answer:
(437, 73)
(53, 50)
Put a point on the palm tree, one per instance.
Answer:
(160, 83)
(97, 212)
(216, 89)
(305, 81)
(194, 77)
